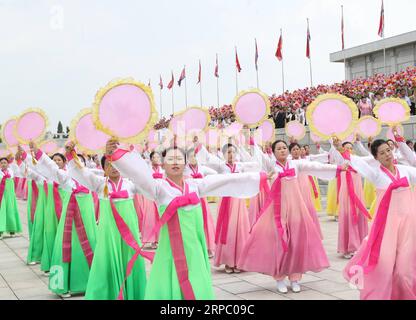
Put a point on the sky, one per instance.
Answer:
(56, 54)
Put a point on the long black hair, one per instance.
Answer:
(375, 145)
(60, 155)
(276, 143)
(293, 145)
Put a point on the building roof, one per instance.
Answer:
(392, 42)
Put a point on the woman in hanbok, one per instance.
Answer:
(353, 215)
(9, 213)
(181, 268)
(233, 225)
(285, 242)
(37, 186)
(385, 266)
(118, 267)
(369, 189)
(75, 239)
(148, 207)
(305, 183)
(195, 171)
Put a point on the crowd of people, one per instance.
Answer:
(93, 223)
(292, 105)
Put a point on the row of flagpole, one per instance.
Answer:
(279, 56)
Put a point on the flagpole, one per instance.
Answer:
(217, 76)
(236, 74)
(283, 67)
(384, 33)
(310, 57)
(343, 44)
(200, 83)
(186, 90)
(173, 103)
(160, 99)
(257, 66)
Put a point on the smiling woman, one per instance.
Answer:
(181, 268)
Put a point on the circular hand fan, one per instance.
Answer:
(392, 111)
(332, 114)
(125, 110)
(296, 130)
(7, 133)
(368, 126)
(251, 107)
(84, 134)
(31, 126)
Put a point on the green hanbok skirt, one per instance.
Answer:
(112, 255)
(51, 225)
(9, 212)
(163, 282)
(36, 227)
(72, 277)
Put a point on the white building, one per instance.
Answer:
(367, 60)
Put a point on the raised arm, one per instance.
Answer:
(407, 153)
(49, 169)
(132, 165)
(238, 185)
(85, 176)
(316, 169)
(207, 159)
(363, 151)
(364, 168)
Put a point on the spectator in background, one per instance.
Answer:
(410, 144)
(365, 106)
(403, 95)
(279, 119)
(413, 101)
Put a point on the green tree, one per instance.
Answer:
(60, 127)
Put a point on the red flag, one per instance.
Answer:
(308, 40)
(161, 83)
(256, 56)
(172, 81)
(342, 28)
(199, 73)
(279, 53)
(182, 76)
(381, 25)
(237, 62)
(216, 67)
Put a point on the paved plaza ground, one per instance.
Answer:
(19, 281)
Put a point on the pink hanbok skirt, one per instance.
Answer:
(237, 235)
(305, 186)
(350, 235)
(150, 217)
(394, 277)
(264, 252)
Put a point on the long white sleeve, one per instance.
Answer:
(86, 177)
(364, 168)
(407, 153)
(266, 163)
(316, 169)
(237, 185)
(336, 156)
(322, 157)
(52, 171)
(363, 151)
(132, 166)
(208, 160)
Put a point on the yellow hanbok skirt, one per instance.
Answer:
(331, 199)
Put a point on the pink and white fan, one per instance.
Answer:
(125, 110)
